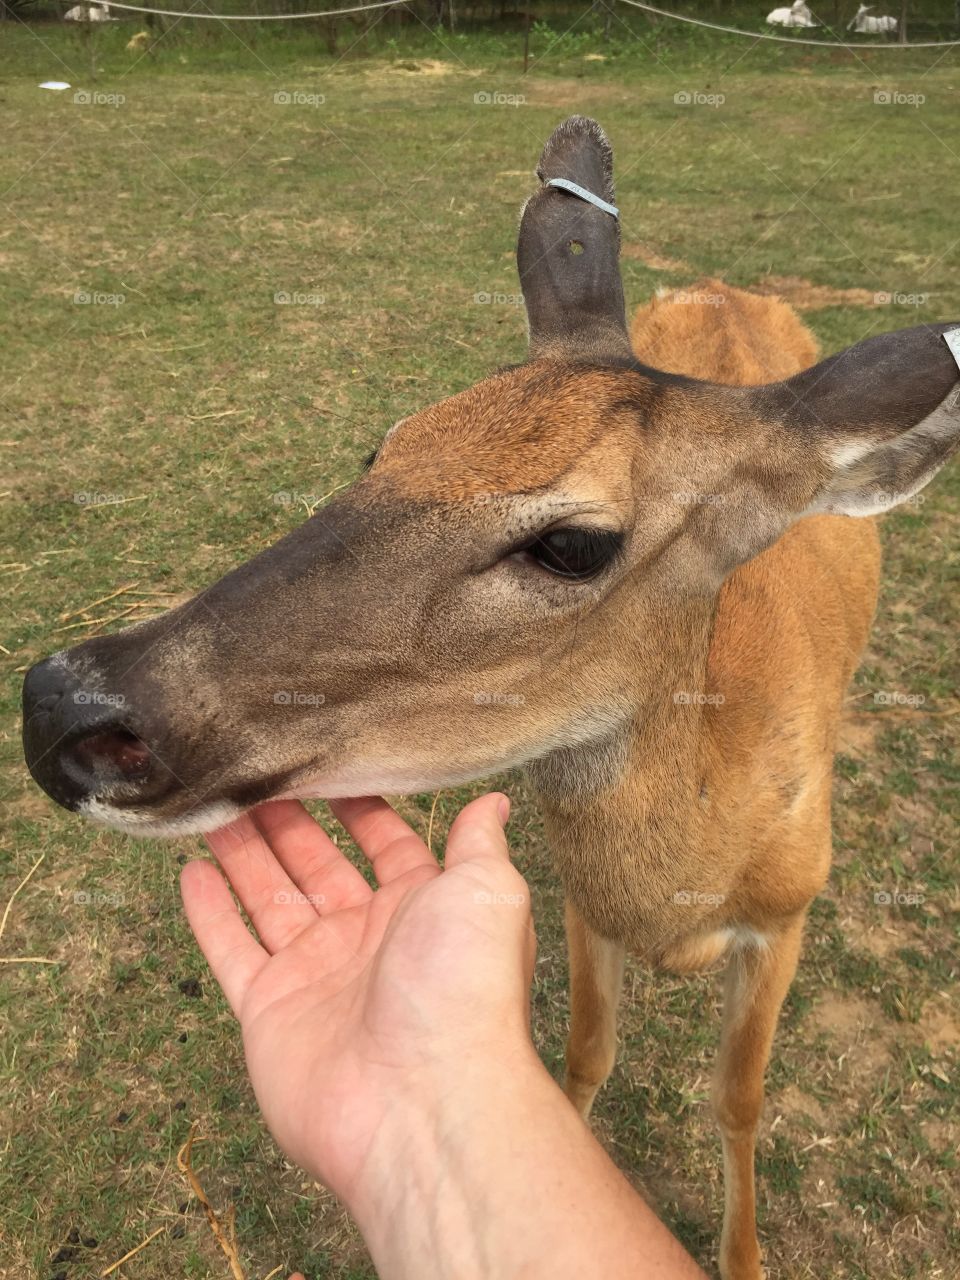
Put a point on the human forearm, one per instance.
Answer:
(494, 1175)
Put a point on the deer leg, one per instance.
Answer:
(596, 974)
(757, 980)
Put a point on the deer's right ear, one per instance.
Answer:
(882, 417)
(569, 248)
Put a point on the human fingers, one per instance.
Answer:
(393, 847)
(232, 953)
(279, 910)
(310, 858)
(477, 831)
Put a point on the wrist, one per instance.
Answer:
(430, 1172)
(485, 1169)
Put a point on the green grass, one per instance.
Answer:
(198, 399)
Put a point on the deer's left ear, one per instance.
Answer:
(569, 248)
(884, 416)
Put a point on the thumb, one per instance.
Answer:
(477, 831)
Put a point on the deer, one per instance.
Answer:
(795, 15)
(89, 13)
(641, 566)
(865, 22)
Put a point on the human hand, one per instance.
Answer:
(353, 1000)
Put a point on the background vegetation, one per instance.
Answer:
(156, 399)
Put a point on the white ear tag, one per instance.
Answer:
(952, 339)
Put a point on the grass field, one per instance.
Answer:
(156, 400)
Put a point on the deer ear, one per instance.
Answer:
(884, 415)
(568, 251)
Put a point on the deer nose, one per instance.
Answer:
(76, 740)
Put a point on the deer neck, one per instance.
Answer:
(627, 813)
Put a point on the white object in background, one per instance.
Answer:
(798, 15)
(54, 84)
(866, 24)
(88, 13)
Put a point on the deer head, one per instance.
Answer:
(514, 574)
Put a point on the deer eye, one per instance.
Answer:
(574, 553)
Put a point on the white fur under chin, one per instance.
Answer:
(138, 822)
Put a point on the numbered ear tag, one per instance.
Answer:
(575, 189)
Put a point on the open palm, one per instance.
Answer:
(352, 997)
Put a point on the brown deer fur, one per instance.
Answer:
(713, 331)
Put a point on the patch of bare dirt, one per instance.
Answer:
(851, 1023)
(880, 940)
(858, 734)
(940, 1028)
(943, 1135)
(844, 1016)
(431, 68)
(804, 295)
(649, 256)
(792, 1103)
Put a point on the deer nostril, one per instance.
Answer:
(117, 751)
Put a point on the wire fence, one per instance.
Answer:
(764, 35)
(251, 17)
(205, 15)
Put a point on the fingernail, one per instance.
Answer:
(503, 810)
